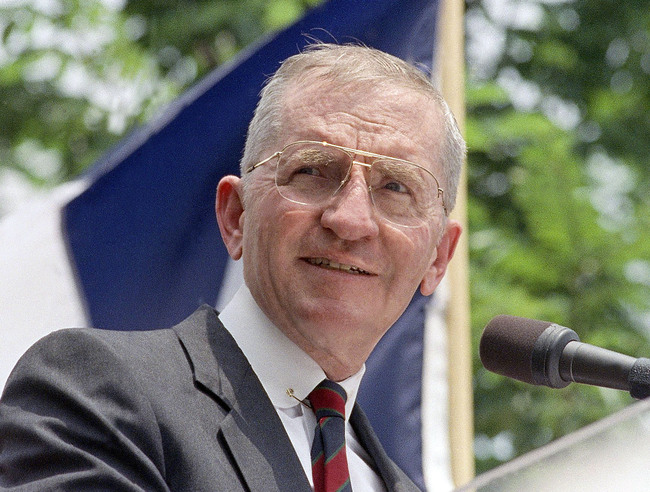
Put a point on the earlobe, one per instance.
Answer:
(229, 208)
(444, 253)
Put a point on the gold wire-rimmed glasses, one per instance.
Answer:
(310, 173)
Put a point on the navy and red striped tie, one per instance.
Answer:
(329, 462)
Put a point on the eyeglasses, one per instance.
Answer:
(310, 173)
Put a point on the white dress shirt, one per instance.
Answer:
(281, 365)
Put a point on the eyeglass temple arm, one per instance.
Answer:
(441, 194)
(277, 154)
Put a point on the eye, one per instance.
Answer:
(396, 186)
(309, 171)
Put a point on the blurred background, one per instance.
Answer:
(558, 128)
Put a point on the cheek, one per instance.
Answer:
(274, 233)
(259, 208)
(413, 255)
(412, 246)
(256, 243)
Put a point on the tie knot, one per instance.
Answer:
(328, 400)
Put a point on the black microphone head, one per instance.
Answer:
(507, 344)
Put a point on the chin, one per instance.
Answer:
(342, 320)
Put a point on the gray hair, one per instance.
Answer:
(349, 64)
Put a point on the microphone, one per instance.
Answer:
(544, 353)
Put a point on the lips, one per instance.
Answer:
(333, 265)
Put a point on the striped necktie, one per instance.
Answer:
(329, 463)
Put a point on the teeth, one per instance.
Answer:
(332, 265)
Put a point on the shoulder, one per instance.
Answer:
(89, 350)
(99, 399)
(86, 356)
(76, 395)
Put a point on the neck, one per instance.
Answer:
(334, 368)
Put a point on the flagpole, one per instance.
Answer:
(451, 70)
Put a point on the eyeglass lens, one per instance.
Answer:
(311, 173)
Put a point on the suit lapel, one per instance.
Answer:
(254, 467)
(394, 478)
(251, 430)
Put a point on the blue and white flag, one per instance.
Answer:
(134, 243)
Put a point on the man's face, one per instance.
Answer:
(290, 251)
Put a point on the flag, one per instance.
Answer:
(135, 245)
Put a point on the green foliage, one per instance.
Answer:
(76, 75)
(559, 206)
(71, 83)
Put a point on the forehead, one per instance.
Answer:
(382, 118)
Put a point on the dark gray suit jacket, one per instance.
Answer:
(176, 409)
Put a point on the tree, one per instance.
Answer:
(76, 75)
(558, 131)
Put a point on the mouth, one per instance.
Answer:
(332, 265)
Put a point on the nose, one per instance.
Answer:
(350, 213)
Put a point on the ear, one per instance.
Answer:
(229, 207)
(444, 253)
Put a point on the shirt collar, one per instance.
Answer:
(278, 362)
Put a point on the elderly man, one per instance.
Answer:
(341, 213)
